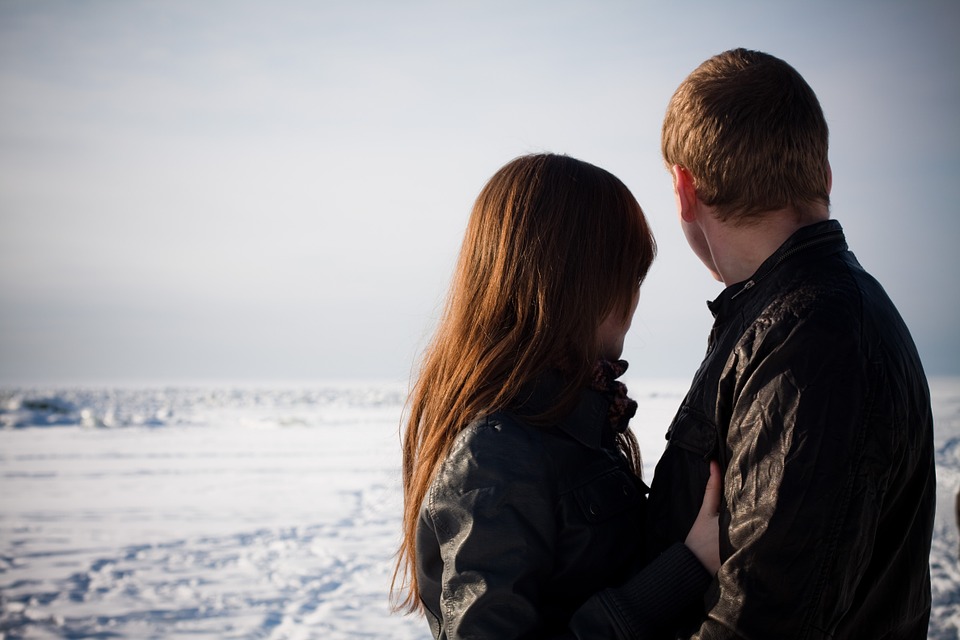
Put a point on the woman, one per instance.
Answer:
(523, 500)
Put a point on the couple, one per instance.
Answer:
(795, 497)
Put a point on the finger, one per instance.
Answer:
(711, 495)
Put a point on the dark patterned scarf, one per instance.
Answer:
(604, 380)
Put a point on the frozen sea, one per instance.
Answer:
(271, 512)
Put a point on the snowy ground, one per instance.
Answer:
(253, 513)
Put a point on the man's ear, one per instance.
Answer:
(686, 192)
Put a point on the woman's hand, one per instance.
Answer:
(704, 537)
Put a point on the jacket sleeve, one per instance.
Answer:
(646, 605)
(801, 507)
(489, 509)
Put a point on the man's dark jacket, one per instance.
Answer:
(814, 400)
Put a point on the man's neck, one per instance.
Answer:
(739, 249)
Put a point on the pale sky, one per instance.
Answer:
(265, 191)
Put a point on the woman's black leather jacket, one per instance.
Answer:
(526, 529)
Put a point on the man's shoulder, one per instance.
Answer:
(834, 289)
(828, 295)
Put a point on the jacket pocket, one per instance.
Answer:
(693, 432)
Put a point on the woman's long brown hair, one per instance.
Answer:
(552, 247)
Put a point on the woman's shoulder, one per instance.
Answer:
(498, 436)
(498, 449)
(496, 470)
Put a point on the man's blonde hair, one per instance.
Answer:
(751, 132)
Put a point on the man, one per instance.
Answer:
(811, 394)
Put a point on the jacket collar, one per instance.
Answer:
(821, 238)
(584, 423)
